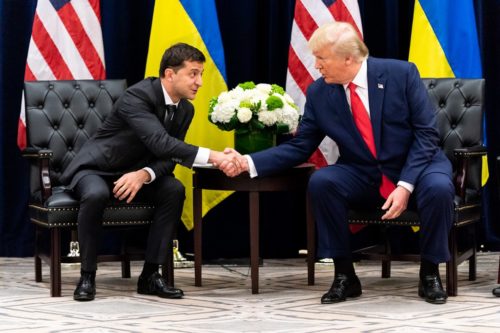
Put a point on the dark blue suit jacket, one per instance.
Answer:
(403, 121)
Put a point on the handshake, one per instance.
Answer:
(229, 161)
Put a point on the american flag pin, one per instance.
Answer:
(380, 86)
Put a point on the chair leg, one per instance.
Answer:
(472, 259)
(451, 266)
(38, 261)
(311, 243)
(167, 269)
(386, 264)
(55, 262)
(498, 278)
(125, 258)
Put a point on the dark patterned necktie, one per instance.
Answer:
(169, 116)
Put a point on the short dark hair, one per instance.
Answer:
(176, 54)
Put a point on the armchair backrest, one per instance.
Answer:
(62, 115)
(459, 105)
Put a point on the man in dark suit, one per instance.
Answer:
(379, 114)
(133, 155)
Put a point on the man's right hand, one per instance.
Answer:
(230, 161)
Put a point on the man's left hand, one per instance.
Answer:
(396, 203)
(129, 184)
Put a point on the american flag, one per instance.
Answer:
(309, 15)
(66, 44)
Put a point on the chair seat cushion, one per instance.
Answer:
(61, 210)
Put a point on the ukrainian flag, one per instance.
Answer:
(444, 43)
(193, 22)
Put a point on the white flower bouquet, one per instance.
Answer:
(253, 107)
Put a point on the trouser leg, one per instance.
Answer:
(168, 194)
(332, 189)
(434, 195)
(93, 193)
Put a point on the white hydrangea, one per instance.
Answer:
(248, 105)
(290, 116)
(244, 115)
(265, 88)
(223, 112)
(268, 118)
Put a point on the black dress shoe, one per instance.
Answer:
(156, 285)
(342, 288)
(431, 288)
(85, 290)
(496, 291)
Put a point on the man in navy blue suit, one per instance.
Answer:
(379, 114)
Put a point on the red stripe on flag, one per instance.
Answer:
(21, 134)
(341, 13)
(304, 20)
(49, 51)
(96, 8)
(28, 74)
(82, 41)
(298, 71)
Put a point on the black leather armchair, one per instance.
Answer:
(60, 117)
(459, 109)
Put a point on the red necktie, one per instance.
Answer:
(364, 126)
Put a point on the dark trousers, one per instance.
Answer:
(94, 192)
(334, 189)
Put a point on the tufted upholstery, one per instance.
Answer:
(459, 105)
(60, 117)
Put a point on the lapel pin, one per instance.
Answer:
(380, 86)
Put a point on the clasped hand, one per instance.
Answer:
(230, 162)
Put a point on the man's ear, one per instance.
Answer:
(169, 72)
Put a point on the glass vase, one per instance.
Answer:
(253, 141)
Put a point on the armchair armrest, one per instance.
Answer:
(463, 156)
(43, 156)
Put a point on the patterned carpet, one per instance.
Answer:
(225, 303)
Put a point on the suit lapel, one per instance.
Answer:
(160, 99)
(376, 93)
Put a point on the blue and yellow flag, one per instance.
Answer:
(193, 22)
(444, 43)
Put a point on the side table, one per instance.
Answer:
(210, 178)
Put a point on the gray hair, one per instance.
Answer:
(343, 39)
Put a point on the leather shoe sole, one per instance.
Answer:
(172, 295)
(84, 298)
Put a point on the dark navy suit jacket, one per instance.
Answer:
(403, 121)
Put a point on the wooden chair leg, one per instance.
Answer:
(451, 266)
(167, 269)
(472, 259)
(498, 278)
(55, 262)
(386, 264)
(38, 261)
(311, 243)
(125, 258)
(197, 220)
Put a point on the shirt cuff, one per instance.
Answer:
(251, 167)
(202, 156)
(152, 174)
(406, 185)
